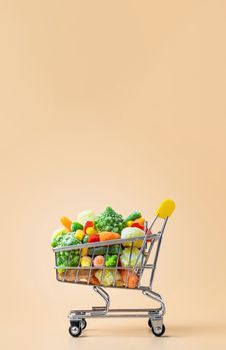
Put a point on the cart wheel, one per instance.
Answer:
(83, 323)
(149, 323)
(75, 329)
(158, 331)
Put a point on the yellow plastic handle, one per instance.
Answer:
(166, 208)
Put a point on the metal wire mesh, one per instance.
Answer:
(123, 273)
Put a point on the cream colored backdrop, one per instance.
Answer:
(111, 103)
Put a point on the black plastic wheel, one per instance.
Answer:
(158, 332)
(75, 329)
(83, 323)
(149, 323)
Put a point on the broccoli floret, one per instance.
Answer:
(110, 260)
(67, 258)
(109, 220)
(56, 241)
(69, 239)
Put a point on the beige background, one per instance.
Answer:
(120, 103)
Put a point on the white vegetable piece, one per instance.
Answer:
(132, 232)
(86, 215)
(129, 260)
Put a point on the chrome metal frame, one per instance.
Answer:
(155, 315)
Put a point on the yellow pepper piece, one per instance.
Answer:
(79, 234)
(140, 221)
(129, 223)
(84, 251)
(91, 231)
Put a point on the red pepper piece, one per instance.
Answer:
(136, 224)
(148, 240)
(88, 224)
(93, 238)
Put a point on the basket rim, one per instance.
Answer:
(151, 236)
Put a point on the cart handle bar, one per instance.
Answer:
(164, 212)
(166, 209)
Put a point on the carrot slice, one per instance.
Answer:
(66, 222)
(107, 236)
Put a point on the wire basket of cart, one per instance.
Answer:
(117, 263)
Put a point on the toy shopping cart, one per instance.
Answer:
(130, 276)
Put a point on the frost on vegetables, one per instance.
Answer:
(132, 232)
(109, 221)
(86, 215)
(58, 236)
(100, 261)
(128, 259)
(66, 258)
(108, 278)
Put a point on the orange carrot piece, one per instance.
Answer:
(107, 236)
(132, 278)
(66, 222)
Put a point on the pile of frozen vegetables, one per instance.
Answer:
(92, 228)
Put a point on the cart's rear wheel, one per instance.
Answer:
(158, 331)
(75, 329)
(83, 323)
(149, 323)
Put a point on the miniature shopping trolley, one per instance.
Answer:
(144, 264)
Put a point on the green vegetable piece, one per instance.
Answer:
(68, 258)
(65, 239)
(85, 239)
(57, 237)
(133, 216)
(69, 239)
(97, 251)
(56, 241)
(110, 260)
(114, 249)
(109, 221)
(76, 226)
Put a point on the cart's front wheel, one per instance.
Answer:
(158, 331)
(75, 329)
